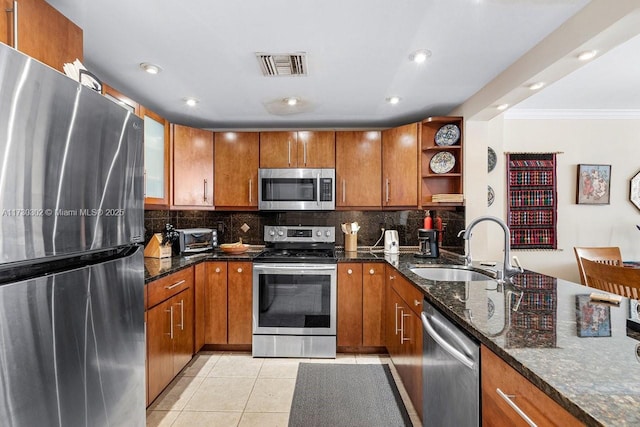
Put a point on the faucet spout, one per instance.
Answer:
(508, 269)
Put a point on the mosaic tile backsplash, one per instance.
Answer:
(230, 224)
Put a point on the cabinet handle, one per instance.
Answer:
(515, 407)
(372, 271)
(349, 271)
(171, 321)
(144, 183)
(250, 189)
(239, 269)
(15, 23)
(205, 190)
(416, 302)
(402, 338)
(181, 314)
(218, 270)
(387, 189)
(304, 152)
(396, 318)
(344, 190)
(175, 285)
(289, 152)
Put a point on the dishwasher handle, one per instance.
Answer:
(469, 363)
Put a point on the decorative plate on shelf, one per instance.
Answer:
(442, 162)
(491, 195)
(447, 135)
(491, 158)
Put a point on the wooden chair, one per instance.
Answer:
(608, 255)
(619, 280)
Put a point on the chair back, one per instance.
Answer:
(605, 254)
(619, 280)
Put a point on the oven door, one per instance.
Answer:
(294, 299)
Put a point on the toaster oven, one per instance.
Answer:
(197, 239)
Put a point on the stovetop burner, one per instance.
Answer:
(298, 244)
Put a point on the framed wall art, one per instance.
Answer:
(634, 196)
(593, 185)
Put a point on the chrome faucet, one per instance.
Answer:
(508, 270)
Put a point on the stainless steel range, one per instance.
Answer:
(294, 293)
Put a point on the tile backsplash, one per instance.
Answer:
(230, 224)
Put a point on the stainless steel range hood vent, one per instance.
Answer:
(283, 64)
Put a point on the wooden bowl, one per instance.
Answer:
(234, 249)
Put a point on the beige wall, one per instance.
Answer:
(581, 141)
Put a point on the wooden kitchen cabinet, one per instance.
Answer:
(440, 183)
(360, 305)
(119, 98)
(400, 167)
(199, 302)
(215, 303)
(43, 33)
(156, 160)
(404, 333)
(500, 382)
(240, 302)
(301, 149)
(192, 167)
(236, 160)
(170, 328)
(358, 170)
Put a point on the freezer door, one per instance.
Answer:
(71, 165)
(72, 347)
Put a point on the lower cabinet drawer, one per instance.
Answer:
(165, 287)
(508, 398)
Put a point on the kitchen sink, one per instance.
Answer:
(452, 273)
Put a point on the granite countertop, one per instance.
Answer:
(596, 378)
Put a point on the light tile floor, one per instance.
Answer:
(229, 389)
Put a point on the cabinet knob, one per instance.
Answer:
(349, 271)
(372, 271)
(218, 270)
(416, 302)
(239, 269)
(392, 277)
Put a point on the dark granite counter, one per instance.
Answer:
(532, 324)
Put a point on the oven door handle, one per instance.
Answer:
(274, 266)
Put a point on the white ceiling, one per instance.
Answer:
(358, 55)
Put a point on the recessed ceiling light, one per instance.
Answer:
(291, 101)
(536, 85)
(419, 56)
(502, 107)
(393, 100)
(587, 55)
(191, 102)
(150, 68)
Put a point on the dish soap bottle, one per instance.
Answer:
(428, 221)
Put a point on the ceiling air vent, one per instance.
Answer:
(283, 64)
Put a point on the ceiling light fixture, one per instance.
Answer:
(191, 102)
(393, 100)
(291, 101)
(502, 107)
(587, 55)
(536, 85)
(419, 56)
(150, 68)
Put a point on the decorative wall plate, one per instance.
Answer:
(634, 196)
(447, 135)
(491, 195)
(442, 162)
(492, 159)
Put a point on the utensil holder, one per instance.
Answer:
(351, 242)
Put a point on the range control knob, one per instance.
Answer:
(318, 233)
(280, 233)
(327, 233)
(272, 233)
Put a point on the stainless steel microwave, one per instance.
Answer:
(297, 189)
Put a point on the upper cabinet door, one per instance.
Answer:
(236, 170)
(316, 149)
(358, 169)
(278, 149)
(121, 99)
(43, 33)
(156, 160)
(192, 167)
(400, 166)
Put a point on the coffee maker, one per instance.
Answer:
(428, 244)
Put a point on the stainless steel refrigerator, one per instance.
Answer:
(72, 339)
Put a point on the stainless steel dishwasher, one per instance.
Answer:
(451, 373)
